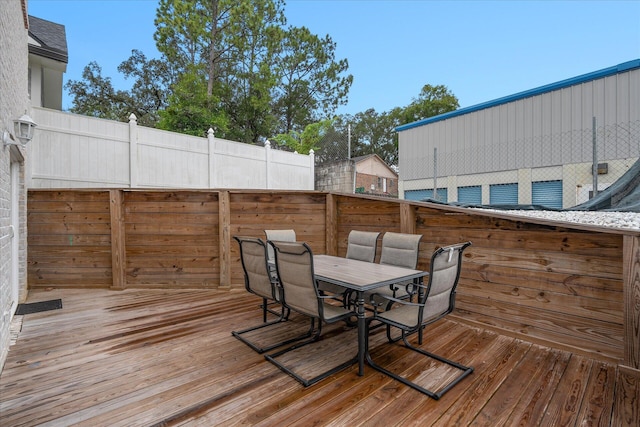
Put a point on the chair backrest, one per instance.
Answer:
(253, 255)
(362, 245)
(294, 264)
(280, 236)
(444, 273)
(400, 249)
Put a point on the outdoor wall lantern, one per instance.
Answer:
(23, 129)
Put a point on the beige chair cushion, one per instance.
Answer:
(362, 245)
(253, 257)
(400, 249)
(280, 236)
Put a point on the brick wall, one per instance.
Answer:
(13, 103)
(372, 184)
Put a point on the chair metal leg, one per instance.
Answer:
(283, 318)
(265, 308)
(307, 382)
(466, 370)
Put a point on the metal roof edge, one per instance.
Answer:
(583, 78)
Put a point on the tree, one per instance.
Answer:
(374, 133)
(189, 110)
(307, 140)
(253, 36)
(312, 82)
(152, 80)
(181, 32)
(95, 96)
(432, 101)
(258, 78)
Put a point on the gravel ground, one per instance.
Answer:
(606, 219)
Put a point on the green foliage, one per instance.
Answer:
(307, 140)
(258, 77)
(236, 67)
(432, 101)
(152, 78)
(251, 40)
(374, 133)
(95, 96)
(181, 32)
(312, 82)
(190, 109)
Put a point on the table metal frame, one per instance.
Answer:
(361, 276)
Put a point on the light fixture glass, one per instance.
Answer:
(24, 127)
(23, 130)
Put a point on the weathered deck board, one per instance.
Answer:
(167, 357)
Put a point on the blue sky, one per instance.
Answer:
(480, 50)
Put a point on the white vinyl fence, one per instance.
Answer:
(73, 151)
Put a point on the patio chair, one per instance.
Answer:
(258, 281)
(361, 245)
(294, 265)
(435, 300)
(401, 250)
(279, 236)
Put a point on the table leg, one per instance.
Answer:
(361, 331)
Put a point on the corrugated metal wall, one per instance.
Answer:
(499, 138)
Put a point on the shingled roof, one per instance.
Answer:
(51, 39)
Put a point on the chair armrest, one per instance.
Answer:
(331, 296)
(412, 288)
(392, 299)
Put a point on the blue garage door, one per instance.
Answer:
(471, 194)
(426, 194)
(547, 193)
(417, 194)
(503, 194)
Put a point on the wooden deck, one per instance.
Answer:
(167, 357)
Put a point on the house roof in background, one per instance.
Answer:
(361, 158)
(605, 72)
(51, 39)
(368, 156)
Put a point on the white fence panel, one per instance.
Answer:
(238, 165)
(290, 167)
(168, 159)
(73, 151)
(76, 151)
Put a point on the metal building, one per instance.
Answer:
(540, 146)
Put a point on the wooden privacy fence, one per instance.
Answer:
(568, 286)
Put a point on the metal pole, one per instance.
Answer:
(594, 171)
(435, 173)
(349, 140)
(355, 173)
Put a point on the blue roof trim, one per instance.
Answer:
(616, 69)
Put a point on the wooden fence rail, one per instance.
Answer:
(569, 286)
